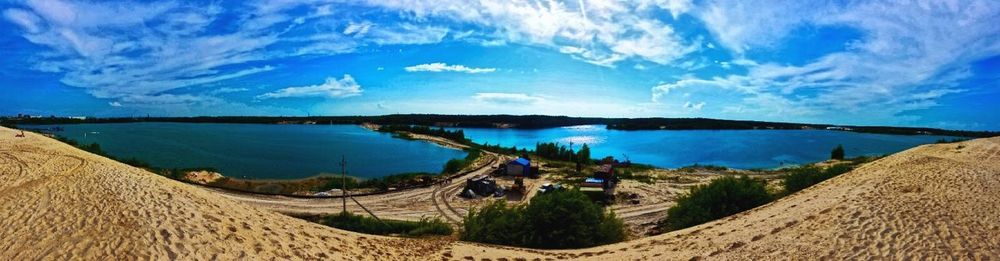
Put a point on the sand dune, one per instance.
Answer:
(57, 202)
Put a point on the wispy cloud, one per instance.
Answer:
(332, 88)
(694, 106)
(443, 67)
(911, 56)
(507, 98)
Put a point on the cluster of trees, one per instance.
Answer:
(715, 124)
(497, 148)
(555, 151)
(369, 225)
(720, 198)
(556, 220)
(455, 135)
(700, 124)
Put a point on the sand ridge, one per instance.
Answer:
(58, 202)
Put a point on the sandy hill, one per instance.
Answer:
(57, 202)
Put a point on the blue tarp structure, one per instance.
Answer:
(519, 167)
(522, 162)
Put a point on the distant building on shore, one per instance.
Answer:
(839, 128)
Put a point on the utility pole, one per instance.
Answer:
(343, 181)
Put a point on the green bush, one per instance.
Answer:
(453, 166)
(837, 153)
(804, 177)
(369, 225)
(557, 220)
(720, 198)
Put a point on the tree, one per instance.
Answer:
(583, 156)
(837, 153)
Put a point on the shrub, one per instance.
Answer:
(456, 165)
(561, 219)
(720, 198)
(369, 225)
(453, 166)
(803, 177)
(495, 223)
(837, 153)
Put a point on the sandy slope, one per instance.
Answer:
(59, 202)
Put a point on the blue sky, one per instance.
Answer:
(907, 63)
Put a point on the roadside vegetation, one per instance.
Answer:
(455, 165)
(370, 225)
(556, 220)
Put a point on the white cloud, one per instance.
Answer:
(27, 20)
(910, 55)
(443, 67)
(744, 62)
(606, 32)
(227, 90)
(407, 34)
(507, 98)
(332, 88)
(358, 29)
(122, 49)
(694, 106)
(115, 104)
(676, 7)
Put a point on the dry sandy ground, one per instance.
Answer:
(440, 201)
(57, 202)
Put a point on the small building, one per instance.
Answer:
(481, 185)
(518, 167)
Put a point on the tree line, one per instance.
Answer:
(514, 121)
(556, 151)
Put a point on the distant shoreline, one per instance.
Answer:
(517, 122)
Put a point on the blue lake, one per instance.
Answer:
(265, 151)
(731, 148)
(297, 151)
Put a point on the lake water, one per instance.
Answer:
(731, 148)
(265, 151)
